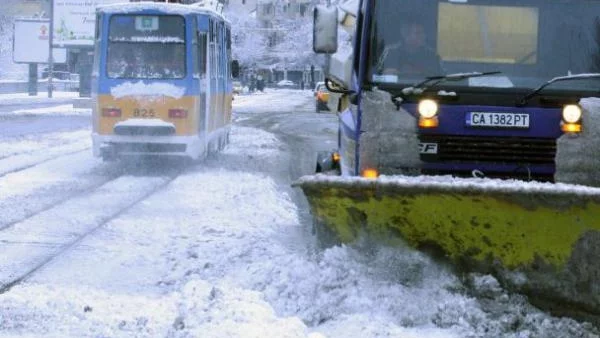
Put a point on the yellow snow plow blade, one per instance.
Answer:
(541, 229)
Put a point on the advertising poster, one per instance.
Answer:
(74, 21)
(33, 35)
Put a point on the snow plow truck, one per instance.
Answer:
(471, 128)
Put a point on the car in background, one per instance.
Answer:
(321, 97)
(237, 87)
(286, 84)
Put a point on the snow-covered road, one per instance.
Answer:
(218, 249)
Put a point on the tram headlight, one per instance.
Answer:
(571, 113)
(428, 108)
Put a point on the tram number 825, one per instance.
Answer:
(142, 112)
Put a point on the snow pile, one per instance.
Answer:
(454, 184)
(390, 137)
(199, 309)
(325, 29)
(208, 311)
(577, 158)
(142, 89)
(145, 123)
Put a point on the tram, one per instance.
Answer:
(162, 80)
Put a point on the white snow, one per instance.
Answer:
(168, 8)
(145, 123)
(325, 29)
(165, 39)
(31, 150)
(222, 251)
(62, 110)
(272, 100)
(449, 182)
(41, 97)
(412, 91)
(151, 89)
(446, 93)
(491, 81)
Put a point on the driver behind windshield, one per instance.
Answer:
(410, 56)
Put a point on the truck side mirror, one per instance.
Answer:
(235, 68)
(325, 27)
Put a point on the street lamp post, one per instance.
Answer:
(50, 42)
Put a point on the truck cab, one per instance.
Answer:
(477, 88)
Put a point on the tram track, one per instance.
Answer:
(57, 202)
(34, 190)
(10, 169)
(21, 268)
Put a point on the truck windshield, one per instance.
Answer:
(529, 42)
(146, 47)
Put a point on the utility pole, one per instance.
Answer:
(50, 42)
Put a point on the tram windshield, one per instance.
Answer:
(146, 47)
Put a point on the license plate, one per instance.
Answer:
(497, 120)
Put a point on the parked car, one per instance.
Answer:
(237, 87)
(321, 97)
(286, 84)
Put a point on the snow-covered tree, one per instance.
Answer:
(284, 41)
(8, 69)
(6, 36)
(248, 40)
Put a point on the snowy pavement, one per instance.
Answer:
(217, 249)
(41, 97)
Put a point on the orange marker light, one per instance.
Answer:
(335, 157)
(571, 127)
(370, 173)
(428, 123)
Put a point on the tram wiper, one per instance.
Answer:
(432, 81)
(523, 101)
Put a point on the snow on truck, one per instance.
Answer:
(469, 127)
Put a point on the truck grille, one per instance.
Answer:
(497, 150)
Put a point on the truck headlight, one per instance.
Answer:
(428, 108)
(571, 113)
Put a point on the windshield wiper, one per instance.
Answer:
(523, 101)
(432, 81)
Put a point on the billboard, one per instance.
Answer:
(74, 21)
(30, 42)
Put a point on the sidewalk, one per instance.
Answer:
(42, 97)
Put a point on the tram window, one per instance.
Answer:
(213, 49)
(146, 50)
(228, 52)
(202, 49)
(97, 44)
(220, 50)
(195, 58)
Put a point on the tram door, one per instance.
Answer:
(201, 53)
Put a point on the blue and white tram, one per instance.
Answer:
(162, 80)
